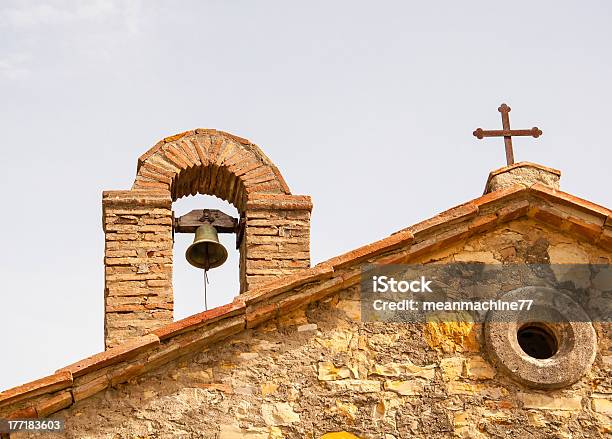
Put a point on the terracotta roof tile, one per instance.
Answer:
(287, 283)
(204, 318)
(565, 198)
(443, 218)
(495, 196)
(114, 355)
(51, 383)
(396, 240)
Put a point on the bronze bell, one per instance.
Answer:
(206, 251)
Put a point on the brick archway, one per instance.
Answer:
(209, 162)
(138, 224)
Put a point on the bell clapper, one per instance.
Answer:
(205, 296)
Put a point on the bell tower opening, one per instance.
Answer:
(223, 280)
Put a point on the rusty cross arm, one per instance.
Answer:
(534, 132)
(507, 133)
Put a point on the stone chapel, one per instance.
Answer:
(290, 356)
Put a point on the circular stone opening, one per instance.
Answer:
(537, 340)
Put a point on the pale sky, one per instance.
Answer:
(368, 107)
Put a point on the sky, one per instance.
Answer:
(368, 107)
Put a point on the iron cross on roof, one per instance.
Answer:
(507, 133)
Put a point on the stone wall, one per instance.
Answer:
(319, 372)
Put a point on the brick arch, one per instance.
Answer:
(209, 162)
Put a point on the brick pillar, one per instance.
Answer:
(276, 239)
(138, 263)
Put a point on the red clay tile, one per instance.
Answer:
(204, 318)
(563, 197)
(309, 295)
(119, 353)
(392, 242)
(495, 196)
(270, 289)
(52, 383)
(461, 212)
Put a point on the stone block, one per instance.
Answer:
(327, 371)
(477, 368)
(407, 369)
(406, 388)
(279, 413)
(548, 402)
(355, 386)
(602, 405)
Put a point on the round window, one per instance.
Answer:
(550, 346)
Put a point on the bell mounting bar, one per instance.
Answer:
(189, 222)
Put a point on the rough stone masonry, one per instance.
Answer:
(318, 372)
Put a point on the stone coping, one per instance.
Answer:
(521, 165)
(87, 377)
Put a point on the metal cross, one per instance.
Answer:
(507, 133)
